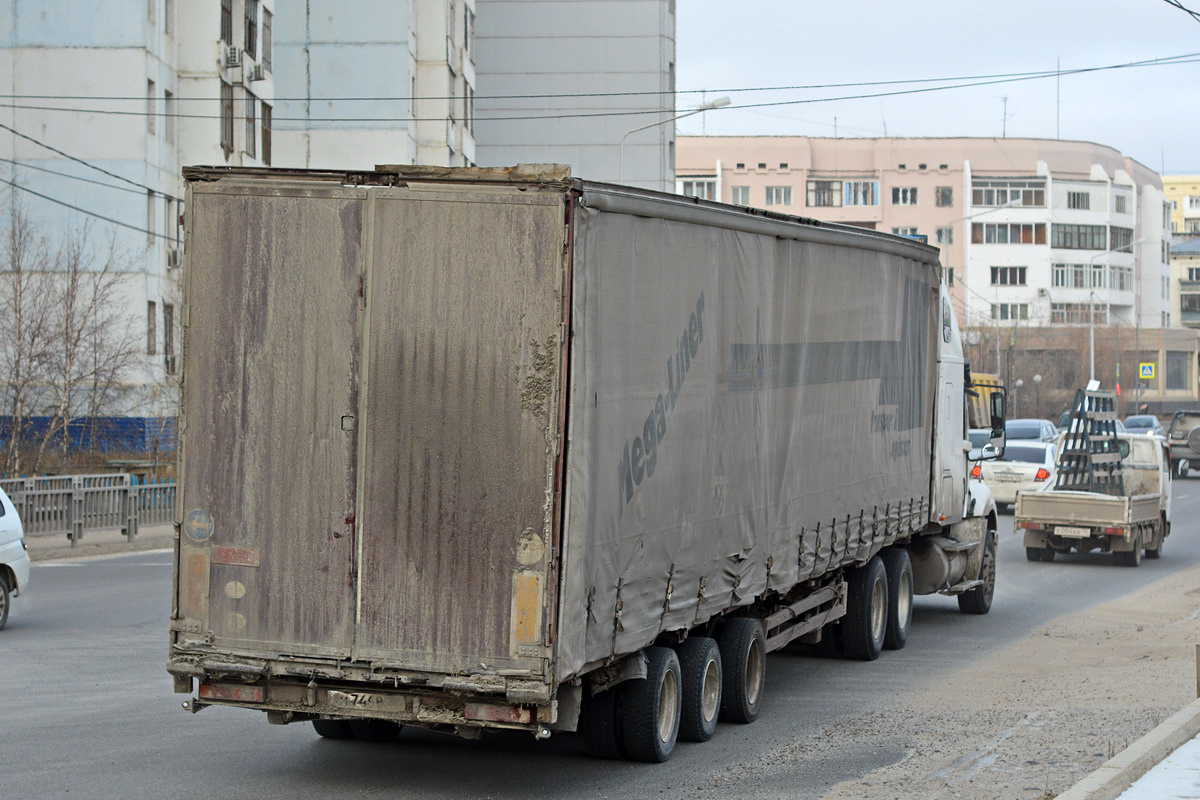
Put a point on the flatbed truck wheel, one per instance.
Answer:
(700, 668)
(898, 566)
(1033, 554)
(1130, 558)
(865, 623)
(744, 663)
(650, 708)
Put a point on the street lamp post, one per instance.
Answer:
(1037, 385)
(718, 103)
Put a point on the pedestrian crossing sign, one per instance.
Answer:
(1146, 370)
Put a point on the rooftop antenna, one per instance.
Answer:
(1004, 117)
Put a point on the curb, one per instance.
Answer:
(1117, 774)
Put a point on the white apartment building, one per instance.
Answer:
(1032, 231)
(572, 81)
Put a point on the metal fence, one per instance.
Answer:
(73, 504)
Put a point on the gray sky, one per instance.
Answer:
(1149, 113)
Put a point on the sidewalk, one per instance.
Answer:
(1162, 765)
(47, 547)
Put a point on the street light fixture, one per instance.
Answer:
(718, 103)
(1092, 303)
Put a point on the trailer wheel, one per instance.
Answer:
(865, 623)
(374, 730)
(650, 708)
(700, 666)
(979, 599)
(898, 566)
(333, 728)
(744, 661)
(599, 722)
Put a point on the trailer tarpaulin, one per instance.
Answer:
(737, 386)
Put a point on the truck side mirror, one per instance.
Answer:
(996, 403)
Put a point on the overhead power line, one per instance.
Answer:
(87, 164)
(16, 185)
(956, 83)
(1193, 14)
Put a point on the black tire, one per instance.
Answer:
(1033, 553)
(333, 728)
(979, 599)
(1048, 553)
(744, 664)
(865, 623)
(1161, 537)
(599, 722)
(1130, 558)
(650, 708)
(700, 666)
(898, 566)
(374, 730)
(5, 601)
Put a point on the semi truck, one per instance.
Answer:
(479, 449)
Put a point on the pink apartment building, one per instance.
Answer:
(1032, 231)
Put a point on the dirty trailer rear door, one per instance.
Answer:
(462, 384)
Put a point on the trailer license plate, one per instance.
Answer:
(1077, 533)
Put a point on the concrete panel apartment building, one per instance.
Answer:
(1035, 234)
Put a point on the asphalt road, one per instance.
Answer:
(88, 712)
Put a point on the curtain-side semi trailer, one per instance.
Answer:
(472, 449)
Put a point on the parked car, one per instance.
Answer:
(1039, 430)
(1144, 423)
(1026, 466)
(1183, 437)
(14, 556)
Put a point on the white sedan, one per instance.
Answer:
(1026, 466)
(14, 557)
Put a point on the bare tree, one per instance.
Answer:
(67, 342)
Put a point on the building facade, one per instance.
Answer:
(572, 81)
(1185, 282)
(1183, 193)
(1032, 231)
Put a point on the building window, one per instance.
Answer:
(227, 21)
(227, 119)
(1078, 313)
(904, 195)
(762, 165)
(151, 328)
(1081, 201)
(169, 337)
(1008, 193)
(1193, 202)
(1193, 273)
(1010, 311)
(703, 188)
(252, 28)
(1008, 276)
(861, 193)
(169, 116)
(1122, 202)
(151, 103)
(1078, 276)
(824, 193)
(268, 48)
(1119, 238)
(945, 235)
(783, 165)
(266, 134)
(1179, 370)
(739, 195)
(250, 132)
(905, 231)
(1008, 233)
(740, 165)
(169, 17)
(1189, 302)
(1078, 237)
(943, 196)
(779, 195)
(949, 273)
